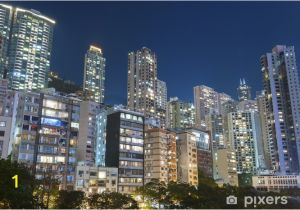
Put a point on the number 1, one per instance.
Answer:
(15, 177)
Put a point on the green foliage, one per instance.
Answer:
(207, 195)
(112, 200)
(11, 197)
(69, 200)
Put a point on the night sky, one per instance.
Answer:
(210, 43)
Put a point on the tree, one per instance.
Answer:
(11, 197)
(111, 200)
(154, 192)
(70, 200)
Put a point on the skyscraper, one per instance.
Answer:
(94, 74)
(282, 93)
(180, 114)
(207, 101)
(141, 84)
(161, 101)
(29, 50)
(244, 91)
(5, 24)
(245, 140)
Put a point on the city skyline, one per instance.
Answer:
(242, 61)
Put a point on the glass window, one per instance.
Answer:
(2, 124)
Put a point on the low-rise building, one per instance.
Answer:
(93, 179)
(275, 183)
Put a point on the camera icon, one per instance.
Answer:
(231, 200)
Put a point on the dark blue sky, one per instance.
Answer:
(211, 43)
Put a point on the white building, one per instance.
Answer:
(92, 179)
(275, 183)
(281, 85)
(94, 74)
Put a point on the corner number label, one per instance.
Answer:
(15, 177)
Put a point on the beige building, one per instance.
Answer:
(87, 131)
(92, 179)
(160, 155)
(187, 169)
(225, 167)
(275, 183)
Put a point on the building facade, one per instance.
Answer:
(187, 165)
(161, 101)
(92, 179)
(244, 91)
(207, 101)
(180, 114)
(225, 167)
(281, 85)
(276, 183)
(94, 74)
(45, 135)
(6, 13)
(30, 48)
(125, 148)
(245, 140)
(142, 81)
(160, 155)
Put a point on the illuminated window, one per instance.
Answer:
(102, 174)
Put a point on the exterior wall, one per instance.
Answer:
(125, 148)
(94, 74)
(87, 131)
(5, 132)
(160, 155)
(187, 169)
(142, 82)
(275, 183)
(244, 135)
(45, 136)
(32, 73)
(225, 167)
(91, 179)
(180, 114)
(5, 26)
(281, 83)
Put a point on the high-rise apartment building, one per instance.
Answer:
(125, 148)
(29, 52)
(262, 110)
(160, 155)
(180, 114)
(215, 125)
(187, 166)
(282, 94)
(244, 91)
(88, 131)
(204, 151)
(94, 74)
(247, 106)
(245, 140)
(207, 101)
(6, 13)
(45, 135)
(161, 101)
(141, 84)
